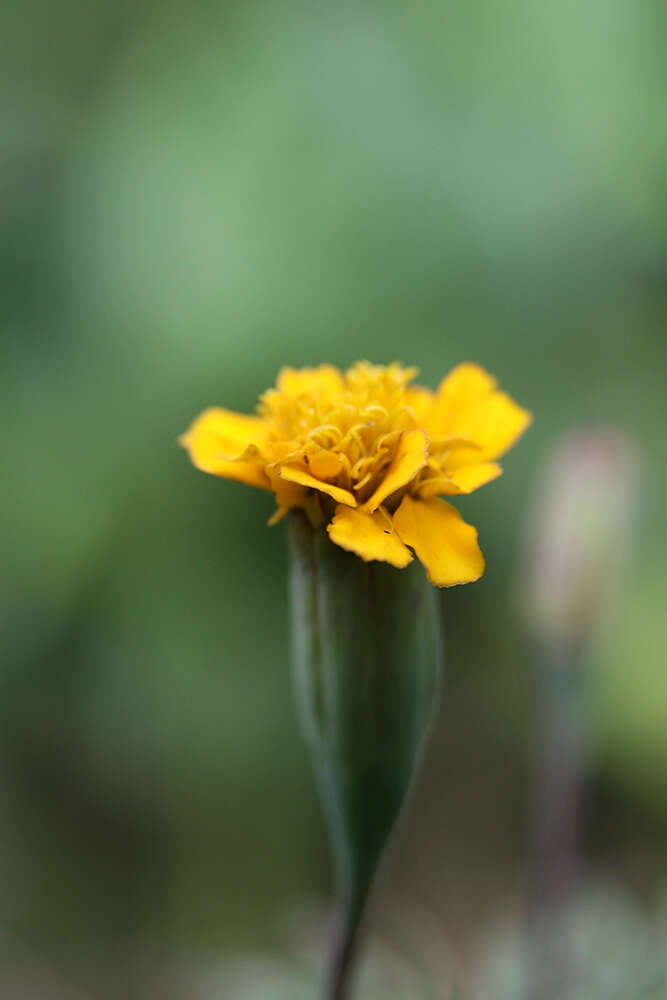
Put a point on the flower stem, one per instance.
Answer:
(345, 936)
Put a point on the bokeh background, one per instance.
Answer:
(193, 195)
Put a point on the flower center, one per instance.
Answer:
(346, 433)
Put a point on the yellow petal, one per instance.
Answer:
(228, 444)
(495, 423)
(469, 405)
(438, 486)
(231, 433)
(288, 495)
(323, 379)
(471, 477)
(420, 401)
(462, 387)
(294, 474)
(368, 535)
(452, 452)
(277, 516)
(286, 451)
(324, 464)
(445, 544)
(410, 457)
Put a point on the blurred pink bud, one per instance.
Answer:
(579, 533)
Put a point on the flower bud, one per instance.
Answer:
(578, 535)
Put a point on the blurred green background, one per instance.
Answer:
(193, 195)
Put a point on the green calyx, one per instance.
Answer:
(365, 656)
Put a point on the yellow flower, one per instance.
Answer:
(370, 454)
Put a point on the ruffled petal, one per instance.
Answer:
(469, 405)
(294, 474)
(444, 543)
(369, 536)
(409, 459)
(228, 444)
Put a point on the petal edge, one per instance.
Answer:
(368, 536)
(410, 457)
(443, 541)
(294, 474)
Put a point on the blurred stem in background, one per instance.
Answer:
(576, 550)
(365, 658)
(558, 778)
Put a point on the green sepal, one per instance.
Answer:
(365, 651)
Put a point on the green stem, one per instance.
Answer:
(344, 946)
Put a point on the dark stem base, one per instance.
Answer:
(342, 961)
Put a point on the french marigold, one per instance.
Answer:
(370, 454)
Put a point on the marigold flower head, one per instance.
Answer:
(369, 454)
